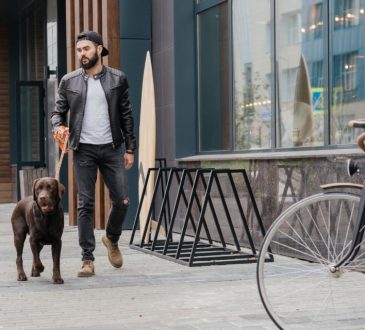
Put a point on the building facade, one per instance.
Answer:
(271, 87)
(264, 85)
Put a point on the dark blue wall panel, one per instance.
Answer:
(185, 100)
(135, 19)
(133, 53)
(135, 41)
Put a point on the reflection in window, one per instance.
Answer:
(252, 74)
(213, 99)
(347, 13)
(31, 54)
(30, 127)
(52, 46)
(301, 87)
(31, 44)
(348, 90)
(291, 29)
(344, 75)
(312, 16)
(288, 79)
(317, 78)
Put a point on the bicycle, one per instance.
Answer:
(311, 265)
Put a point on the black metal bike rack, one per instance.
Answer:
(194, 244)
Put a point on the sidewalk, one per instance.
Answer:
(147, 293)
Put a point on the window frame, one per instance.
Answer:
(201, 7)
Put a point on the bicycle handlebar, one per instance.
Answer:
(359, 123)
(356, 123)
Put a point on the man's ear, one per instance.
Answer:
(99, 49)
(33, 189)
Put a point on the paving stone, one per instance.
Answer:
(148, 292)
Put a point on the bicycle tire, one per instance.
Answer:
(297, 288)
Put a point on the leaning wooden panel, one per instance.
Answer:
(147, 142)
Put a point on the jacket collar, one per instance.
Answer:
(96, 76)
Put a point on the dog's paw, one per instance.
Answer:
(40, 268)
(35, 273)
(37, 270)
(22, 277)
(58, 280)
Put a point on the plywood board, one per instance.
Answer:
(147, 142)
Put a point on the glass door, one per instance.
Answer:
(30, 124)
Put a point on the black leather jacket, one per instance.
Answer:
(72, 96)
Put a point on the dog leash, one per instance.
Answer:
(58, 167)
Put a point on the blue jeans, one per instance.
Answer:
(88, 159)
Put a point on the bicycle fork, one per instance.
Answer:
(356, 242)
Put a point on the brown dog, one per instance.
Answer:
(41, 216)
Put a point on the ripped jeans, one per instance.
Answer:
(88, 159)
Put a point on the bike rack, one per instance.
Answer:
(198, 242)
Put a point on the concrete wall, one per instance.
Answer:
(276, 184)
(163, 70)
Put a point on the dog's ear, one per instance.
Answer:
(33, 189)
(61, 189)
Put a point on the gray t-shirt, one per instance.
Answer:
(96, 123)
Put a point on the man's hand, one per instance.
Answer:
(128, 160)
(61, 136)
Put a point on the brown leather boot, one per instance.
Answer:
(87, 269)
(114, 254)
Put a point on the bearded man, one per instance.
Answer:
(100, 133)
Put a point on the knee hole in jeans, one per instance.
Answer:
(122, 204)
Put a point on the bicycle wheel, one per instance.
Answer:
(297, 287)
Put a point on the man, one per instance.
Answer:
(100, 123)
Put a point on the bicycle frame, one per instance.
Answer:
(359, 230)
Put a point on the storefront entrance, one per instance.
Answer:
(30, 76)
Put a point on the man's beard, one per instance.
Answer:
(91, 63)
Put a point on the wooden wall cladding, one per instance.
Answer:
(7, 187)
(101, 16)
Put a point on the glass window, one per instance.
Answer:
(291, 29)
(252, 74)
(31, 44)
(348, 85)
(346, 13)
(31, 122)
(213, 83)
(301, 85)
(30, 106)
(298, 90)
(52, 37)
